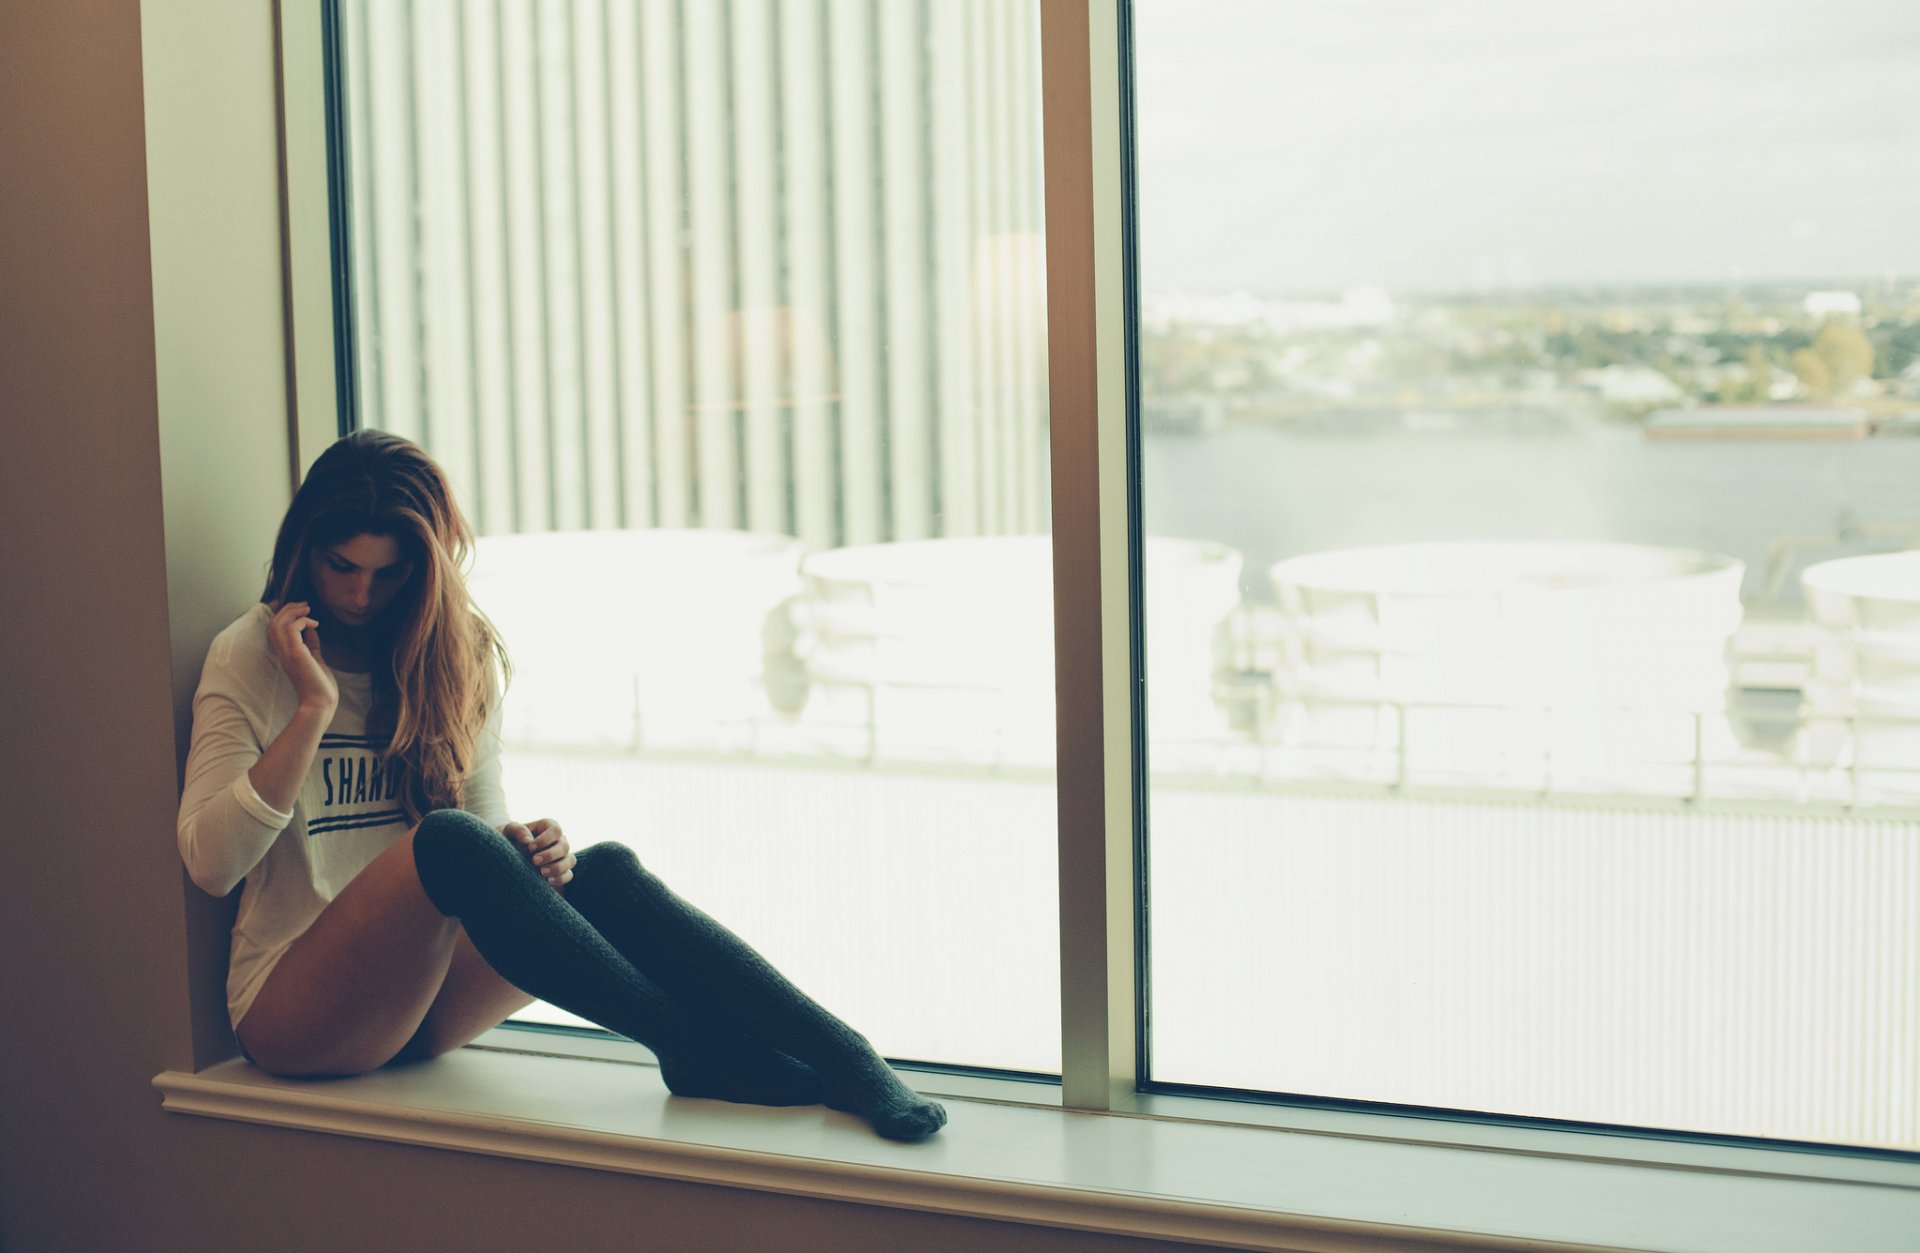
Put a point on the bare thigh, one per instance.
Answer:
(472, 999)
(356, 986)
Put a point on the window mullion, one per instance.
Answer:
(312, 253)
(1092, 639)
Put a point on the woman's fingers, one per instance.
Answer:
(294, 639)
(282, 618)
(549, 851)
(292, 626)
(560, 869)
(544, 834)
(546, 848)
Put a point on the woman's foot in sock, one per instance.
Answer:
(895, 1110)
(748, 1074)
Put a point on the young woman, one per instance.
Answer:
(345, 763)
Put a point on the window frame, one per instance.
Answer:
(1094, 443)
(1093, 458)
(316, 251)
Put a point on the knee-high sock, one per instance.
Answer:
(707, 966)
(544, 946)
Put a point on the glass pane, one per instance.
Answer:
(727, 320)
(1553, 373)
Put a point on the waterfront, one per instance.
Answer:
(1274, 494)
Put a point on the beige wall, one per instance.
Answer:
(109, 464)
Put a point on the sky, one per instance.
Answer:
(1428, 145)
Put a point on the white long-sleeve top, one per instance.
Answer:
(348, 811)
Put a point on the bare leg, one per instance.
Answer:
(357, 985)
(474, 999)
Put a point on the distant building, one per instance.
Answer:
(1630, 384)
(1357, 306)
(1823, 304)
(1756, 422)
(721, 342)
(1905, 424)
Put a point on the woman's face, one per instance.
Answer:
(356, 579)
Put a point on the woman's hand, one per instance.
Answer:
(546, 847)
(294, 638)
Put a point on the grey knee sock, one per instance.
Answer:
(542, 945)
(707, 966)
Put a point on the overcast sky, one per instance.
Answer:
(1301, 145)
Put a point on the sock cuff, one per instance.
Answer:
(450, 848)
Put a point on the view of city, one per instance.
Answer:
(1553, 371)
(1774, 427)
(1538, 360)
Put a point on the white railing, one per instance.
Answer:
(1742, 973)
(1735, 972)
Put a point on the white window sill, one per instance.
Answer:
(1327, 1182)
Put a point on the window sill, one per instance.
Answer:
(1306, 1187)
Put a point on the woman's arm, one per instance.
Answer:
(237, 797)
(280, 771)
(483, 794)
(294, 640)
(226, 826)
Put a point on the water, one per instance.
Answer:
(1777, 505)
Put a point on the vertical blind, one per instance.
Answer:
(770, 265)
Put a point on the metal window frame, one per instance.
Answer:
(317, 249)
(1100, 696)
(1094, 455)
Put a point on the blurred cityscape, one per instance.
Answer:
(1844, 356)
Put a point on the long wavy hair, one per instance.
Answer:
(436, 654)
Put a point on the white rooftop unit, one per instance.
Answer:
(943, 649)
(627, 637)
(1860, 708)
(1527, 664)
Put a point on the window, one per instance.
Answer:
(1551, 370)
(1498, 765)
(727, 321)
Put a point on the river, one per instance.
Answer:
(1276, 494)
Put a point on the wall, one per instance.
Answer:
(111, 465)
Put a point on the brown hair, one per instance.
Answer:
(434, 685)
